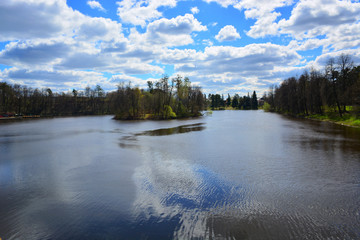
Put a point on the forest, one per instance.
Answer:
(335, 90)
(217, 102)
(164, 99)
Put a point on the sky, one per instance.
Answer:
(224, 46)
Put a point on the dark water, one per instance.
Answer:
(232, 175)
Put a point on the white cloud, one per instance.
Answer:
(180, 25)
(57, 80)
(51, 19)
(308, 44)
(143, 11)
(256, 59)
(171, 32)
(265, 25)
(123, 78)
(22, 19)
(311, 18)
(227, 33)
(114, 46)
(34, 53)
(177, 56)
(223, 3)
(343, 37)
(264, 13)
(96, 5)
(64, 47)
(94, 29)
(207, 42)
(255, 65)
(195, 10)
(262, 10)
(321, 60)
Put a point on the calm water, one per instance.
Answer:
(232, 175)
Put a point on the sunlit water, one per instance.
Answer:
(231, 175)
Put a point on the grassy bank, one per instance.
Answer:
(348, 119)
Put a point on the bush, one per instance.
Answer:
(267, 107)
(168, 112)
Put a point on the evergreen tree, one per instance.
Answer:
(247, 102)
(254, 102)
(235, 101)
(228, 101)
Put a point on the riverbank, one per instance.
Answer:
(10, 118)
(351, 118)
(348, 119)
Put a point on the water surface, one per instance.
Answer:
(232, 175)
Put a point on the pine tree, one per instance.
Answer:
(228, 100)
(254, 102)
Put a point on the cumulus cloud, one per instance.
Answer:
(114, 46)
(320, 61)
(95, 29)
(227, 69)
(95, 5)
(265, 25)
(223, 3)
(179, 25)
(143, 11)
(57, 80)
(227, 33)
(83, 60)
(262, 10)
(63, 46)
(51, 19)
(255, 64)
(253, 59)
(173, 32)
(21, 19)
(123, 78)
(178, 56)
(32, 53)
(195, 10)
(311, 18)
(344, 36)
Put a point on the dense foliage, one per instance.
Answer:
(315, 92)
(23, 100)
(217, 102)
(163, 100)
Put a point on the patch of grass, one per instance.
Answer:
(267, 107)
(349, 119)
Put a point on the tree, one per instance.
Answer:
(344, 64)
(254, 101)
(228, 101)
(247, 102)
(235, 101)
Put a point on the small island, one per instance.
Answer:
(164, 100)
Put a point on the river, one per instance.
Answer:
(229, 175)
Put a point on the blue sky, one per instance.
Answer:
(225, 46)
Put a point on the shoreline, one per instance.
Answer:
(349, 120)
(326, 119)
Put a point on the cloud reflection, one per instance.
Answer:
(172, 190)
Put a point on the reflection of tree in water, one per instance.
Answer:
(174, 130)
(125, 140)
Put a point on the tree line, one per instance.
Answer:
(163, 99)
(23, 100)
(315, 92)
(217, 102)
